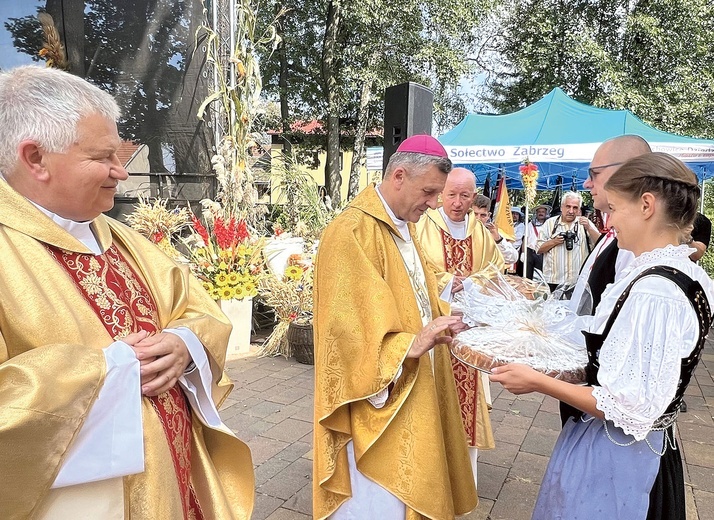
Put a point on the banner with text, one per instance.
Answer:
(578, 153)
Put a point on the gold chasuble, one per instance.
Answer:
(366, 317)
(483, 250)
(447, 257)
(52, 369)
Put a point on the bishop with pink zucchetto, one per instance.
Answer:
(388, 438)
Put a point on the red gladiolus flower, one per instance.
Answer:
(200, 229)
(232, 231)
(528, 168)
(242, 231)
(223, 235)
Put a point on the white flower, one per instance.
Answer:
(211, 209)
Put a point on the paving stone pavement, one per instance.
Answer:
(271, 409)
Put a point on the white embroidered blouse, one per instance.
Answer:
(656, 327)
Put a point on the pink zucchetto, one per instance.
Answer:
(424, 144)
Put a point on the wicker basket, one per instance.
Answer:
(301, 343)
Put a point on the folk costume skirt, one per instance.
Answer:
(590, 477)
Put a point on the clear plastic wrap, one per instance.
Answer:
(513, 322)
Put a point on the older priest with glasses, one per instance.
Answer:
(111, 355)
(388, 438)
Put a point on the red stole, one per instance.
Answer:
(124, 305)
(458, 260)
(458, 255)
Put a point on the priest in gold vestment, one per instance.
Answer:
(388, 438)
(111, 355)
(457, 247)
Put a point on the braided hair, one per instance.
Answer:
(668, 179)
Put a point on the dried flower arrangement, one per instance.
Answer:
(291, 298)
(159, 224)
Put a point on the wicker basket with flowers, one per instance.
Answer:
(290, 296)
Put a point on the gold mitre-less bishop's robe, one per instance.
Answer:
(52, 368)
(366, 316)
(483, 252)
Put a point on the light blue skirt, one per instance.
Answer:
(589, 477)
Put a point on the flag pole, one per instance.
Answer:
(524, 243)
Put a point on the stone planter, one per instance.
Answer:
(240, 314)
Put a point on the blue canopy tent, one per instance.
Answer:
(560, 135)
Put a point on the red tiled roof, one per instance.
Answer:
(126, 151)
(317, 127)
(307, 127)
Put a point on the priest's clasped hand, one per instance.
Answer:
(431, 334)
(163, 358)
(458, 284)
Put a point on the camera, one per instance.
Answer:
(569, 238)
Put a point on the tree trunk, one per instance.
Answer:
(68, 16)
(192, 144)
(333, 175)
(152, 128)
(283, 77)
(360, 133)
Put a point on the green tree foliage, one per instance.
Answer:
(666, 74)
(707, 261)
(377, 43)
(653, 57)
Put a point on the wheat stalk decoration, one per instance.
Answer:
(52, 51)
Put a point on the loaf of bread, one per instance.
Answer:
(484, 359)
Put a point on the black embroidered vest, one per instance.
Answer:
(697, 297)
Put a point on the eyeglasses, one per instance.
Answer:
(592, 173)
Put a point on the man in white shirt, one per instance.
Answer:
(606, 261)
(519, 227)
(564, 242)
(533, 228)
(482, 211)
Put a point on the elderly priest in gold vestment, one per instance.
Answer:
(388, 441)
(111, 355)
(457, 247)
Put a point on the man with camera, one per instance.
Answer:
(564, 241)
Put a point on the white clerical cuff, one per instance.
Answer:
(446, 293)
(197, 382)
(468, 284)
(380, 398)
(111, 441)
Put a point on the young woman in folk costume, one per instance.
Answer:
(619, 459)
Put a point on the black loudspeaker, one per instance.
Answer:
(408, 109)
